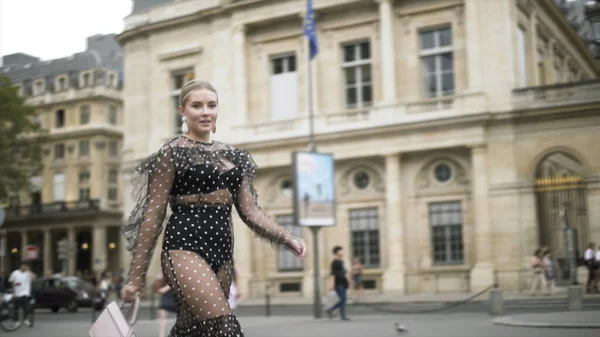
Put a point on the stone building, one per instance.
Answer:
(448, 120)
(77, 196)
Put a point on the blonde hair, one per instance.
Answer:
(192, 86)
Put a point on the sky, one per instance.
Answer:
(51, 29)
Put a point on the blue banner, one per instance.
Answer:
(310, 29)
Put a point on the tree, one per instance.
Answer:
(20, 141)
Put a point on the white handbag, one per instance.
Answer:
(113, 323)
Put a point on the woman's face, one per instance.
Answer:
(201, 110)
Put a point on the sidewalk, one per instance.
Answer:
(560, 294)
(559, 320)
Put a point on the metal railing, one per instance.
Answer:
(52, 208)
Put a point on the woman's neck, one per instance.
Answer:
(202, 138)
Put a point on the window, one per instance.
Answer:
(361, 180)
(84, 148)
(522, 56)
(61, 84)
(437, 62)
(284, 87)
(113, 177)
(442, 173)
(84, 177)
(59, 187)
(112, 114)
(445, 219)
(364, 228)
(113, 150)
(39, 87)
(111, 80)
(84, 193)
(59, 119)
(178, 79)
(59, 151)
(84, 115)
(541, 67)
(358, 90)
(86, 82)
(286, 260)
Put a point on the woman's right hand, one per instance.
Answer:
(129, 292)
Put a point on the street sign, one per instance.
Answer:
(32, 252)
(66, 249)
(2, 216)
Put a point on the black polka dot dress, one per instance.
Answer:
(201, 182)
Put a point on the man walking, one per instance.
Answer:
(338, 282)
(21, 284)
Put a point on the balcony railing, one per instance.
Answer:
(59, 207)
(557, 95)
(73, 94)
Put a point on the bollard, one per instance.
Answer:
(267, 301)
(152, 306)
(94, 304)
(496, 302)
(574, 295)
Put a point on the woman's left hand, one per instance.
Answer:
(298, 246)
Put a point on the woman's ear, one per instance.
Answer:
(180, 108)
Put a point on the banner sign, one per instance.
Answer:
(314, 189)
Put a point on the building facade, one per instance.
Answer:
(77, 196)
(450, 130)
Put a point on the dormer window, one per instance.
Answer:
(111, 81)
(61, 84)
(39, 87)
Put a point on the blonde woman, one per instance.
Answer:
(202, 180)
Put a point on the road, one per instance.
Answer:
(435, 325)
(511, 307)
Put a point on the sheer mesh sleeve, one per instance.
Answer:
(152, 184)
(246, 203)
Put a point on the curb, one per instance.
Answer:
(509, 321)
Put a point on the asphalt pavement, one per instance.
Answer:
(532, 305)
(433, 325)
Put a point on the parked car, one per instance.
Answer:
(53, 293)
(88, 296)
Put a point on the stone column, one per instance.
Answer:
(482, 275)
(388, 59)
(240, 74)
(473, 46)
(47, 249)
(99, 251)
(393, 277)
(71, 237)
(24, 242)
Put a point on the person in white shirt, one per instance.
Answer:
(590, 263)
(21, 285)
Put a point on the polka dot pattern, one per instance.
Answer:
(202, 183)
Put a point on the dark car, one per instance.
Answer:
(88, 296)
(53, 293)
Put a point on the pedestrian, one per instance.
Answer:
(167, 303)
(106, 284)
(21, 284)
(338, 282)
(357, 283)
(202, 180)
(591, 265)
(549, 272)
(119, 281)
(536, 263)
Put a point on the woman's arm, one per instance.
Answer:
(246, 203)
(160, 172)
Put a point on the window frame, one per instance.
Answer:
(371, 221)
(357, 65)
(437, 52)
(447, 232)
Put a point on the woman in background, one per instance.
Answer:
(357, 282)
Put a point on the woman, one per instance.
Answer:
(105, 284)
(357, 271)
(549, 272)
(167, 303)
(537, 266)
(201, 180)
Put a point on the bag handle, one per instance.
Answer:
(132, 313)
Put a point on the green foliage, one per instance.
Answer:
(20, 141)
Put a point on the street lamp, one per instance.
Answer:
(592, 14)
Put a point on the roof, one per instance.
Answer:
(141, 5)
(103, 51)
